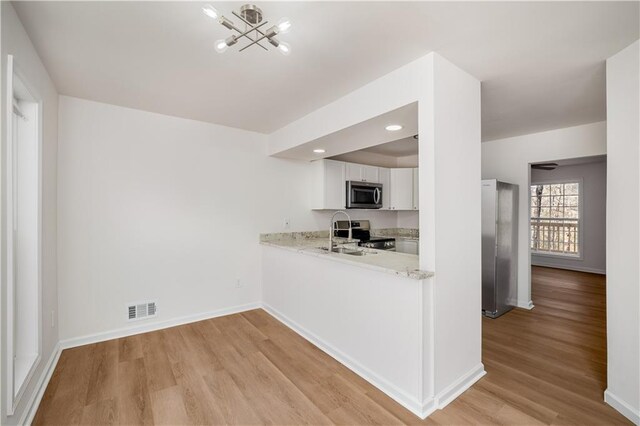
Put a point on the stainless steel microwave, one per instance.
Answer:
(364, 195)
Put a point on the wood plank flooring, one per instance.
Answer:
(545, 366)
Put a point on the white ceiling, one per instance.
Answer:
(541, 63)
(399, 148)
(367, 134)
(578, 161)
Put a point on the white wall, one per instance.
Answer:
(409, 219)
(16, 42)
(158, 207)
(593, 176)
(508, 160)
(623, 240)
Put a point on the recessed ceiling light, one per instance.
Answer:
(319, 151)
(393, 127)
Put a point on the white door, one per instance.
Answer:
(354, 172)
(401, 186)
(334, 185)
(416, 182)
(370, 174)
(384, 179)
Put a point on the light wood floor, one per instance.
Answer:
(544, 366)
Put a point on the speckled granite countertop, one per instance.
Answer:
(398, 233)
(312, 244)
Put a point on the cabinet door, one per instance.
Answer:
(384, 179)
(354, 172)
(334, 185)
(401, 186)
(407, 246)
(416, 204)
(370, 174)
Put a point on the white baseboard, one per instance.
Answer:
(456, 389)
(428, 407)
(526, 305)
(34, 402)
(398, 395)
(622, 407)
(577, 268)
(145, 328)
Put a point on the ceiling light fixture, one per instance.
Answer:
(393, 127)
(319, 151)
(251, 15)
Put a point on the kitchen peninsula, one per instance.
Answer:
(372, 311)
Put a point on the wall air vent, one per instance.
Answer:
(137, 311)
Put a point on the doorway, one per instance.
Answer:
(567, 232)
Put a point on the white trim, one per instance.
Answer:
(559, 256)
(455, 389)
(34, 402)
(622, 407)
(525, 305)
(391, 390)
(27, 379)
(10, 283)
(16, 77)
(138, 329)
(429, 406)
(571, 268)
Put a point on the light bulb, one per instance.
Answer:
(284, 48)
(393, 127)
(284, 24)
(210, 11)
(221, 46)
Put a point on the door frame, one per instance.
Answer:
(14, 76)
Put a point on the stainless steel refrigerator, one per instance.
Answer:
(499, 247)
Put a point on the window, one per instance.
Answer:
(555, 218)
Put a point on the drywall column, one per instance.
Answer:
(450, 244)
(623, 239)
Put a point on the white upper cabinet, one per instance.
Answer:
(329, 190)
(401, 189)
(399, 186)
(362, 173)
(371, 174)
(416, 182)
(384, 176)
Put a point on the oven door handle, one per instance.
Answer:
(376, 195)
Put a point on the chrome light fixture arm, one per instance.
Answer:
(251, 15)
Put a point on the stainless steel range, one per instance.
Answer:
(361, 230)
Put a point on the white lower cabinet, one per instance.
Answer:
(407, 246)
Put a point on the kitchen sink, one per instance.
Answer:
(350, 252)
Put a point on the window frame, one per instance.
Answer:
(581, 201)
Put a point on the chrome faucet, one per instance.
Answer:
(331, 228)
